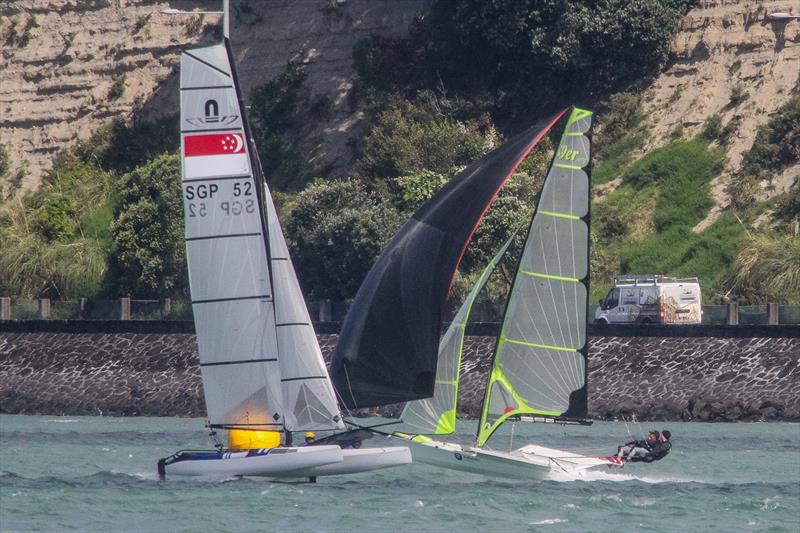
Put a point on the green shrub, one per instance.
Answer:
(5, 162)
(777, 143)
(117, 88)
(52, 221)
(141, 22)
(148, 257)
(336, 231)
(413, 190)
(281, 122)
(767, 269)
(617, 118)
(712, 128)
(194, 25)
(788, 210)
(408, 137)
(738, 95)
(47, 250)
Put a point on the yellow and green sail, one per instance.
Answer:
(437, 415)
(539, 365)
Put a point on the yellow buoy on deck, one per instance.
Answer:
(245, 439)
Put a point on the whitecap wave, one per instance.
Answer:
(548, 521)
(617, 476)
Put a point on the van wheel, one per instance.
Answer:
(601, 321)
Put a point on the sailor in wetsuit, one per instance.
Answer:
(659, 451)
(640, 447)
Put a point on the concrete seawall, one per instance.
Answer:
(657, 372)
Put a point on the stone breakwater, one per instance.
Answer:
(150, 369)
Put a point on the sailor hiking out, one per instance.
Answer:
(655, 448)
(638, 447)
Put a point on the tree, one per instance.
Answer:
(336, 231)
(149, 256)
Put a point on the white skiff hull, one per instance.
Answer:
(528, 463)
(273, 462)
(358, 460)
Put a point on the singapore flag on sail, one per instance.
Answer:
(215, 154)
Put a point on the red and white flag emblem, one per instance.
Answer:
(217, 154)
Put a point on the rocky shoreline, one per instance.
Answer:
(714, 374)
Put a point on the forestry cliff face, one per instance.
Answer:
(727, 60)
(67, 66)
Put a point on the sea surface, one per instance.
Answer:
(98, 474)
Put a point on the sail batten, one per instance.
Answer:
(539, 364)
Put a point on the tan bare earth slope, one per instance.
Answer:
(728, 59)
(84, 62)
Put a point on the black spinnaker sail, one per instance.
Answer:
(387, 350)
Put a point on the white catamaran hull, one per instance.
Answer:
(358, 460)
(272, 462)
(530, 462)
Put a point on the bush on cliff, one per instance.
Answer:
(411, 136)
(767, 269)
(509, 53)
(148, 259)
(55, 241)
(336, 231)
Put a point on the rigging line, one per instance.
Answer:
(638, 426)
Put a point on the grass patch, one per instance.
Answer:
(616, 157)
(645, 225)
(679, 252)
(682, 171)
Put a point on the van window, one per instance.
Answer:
(612, 300)
(630, 296)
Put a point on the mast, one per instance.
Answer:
(539, 365)
(226, 20)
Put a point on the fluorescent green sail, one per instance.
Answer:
(437, 414)
(539, 365)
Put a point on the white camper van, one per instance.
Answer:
(651, 299)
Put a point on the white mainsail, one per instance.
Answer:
(255, 368)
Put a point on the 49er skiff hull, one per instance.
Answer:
(530, 462)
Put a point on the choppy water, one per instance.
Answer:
(98, 474)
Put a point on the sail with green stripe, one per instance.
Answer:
(437, 415)
(539, 365)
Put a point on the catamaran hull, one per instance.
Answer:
(268, 462)
(527, 463)
(358, 460)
